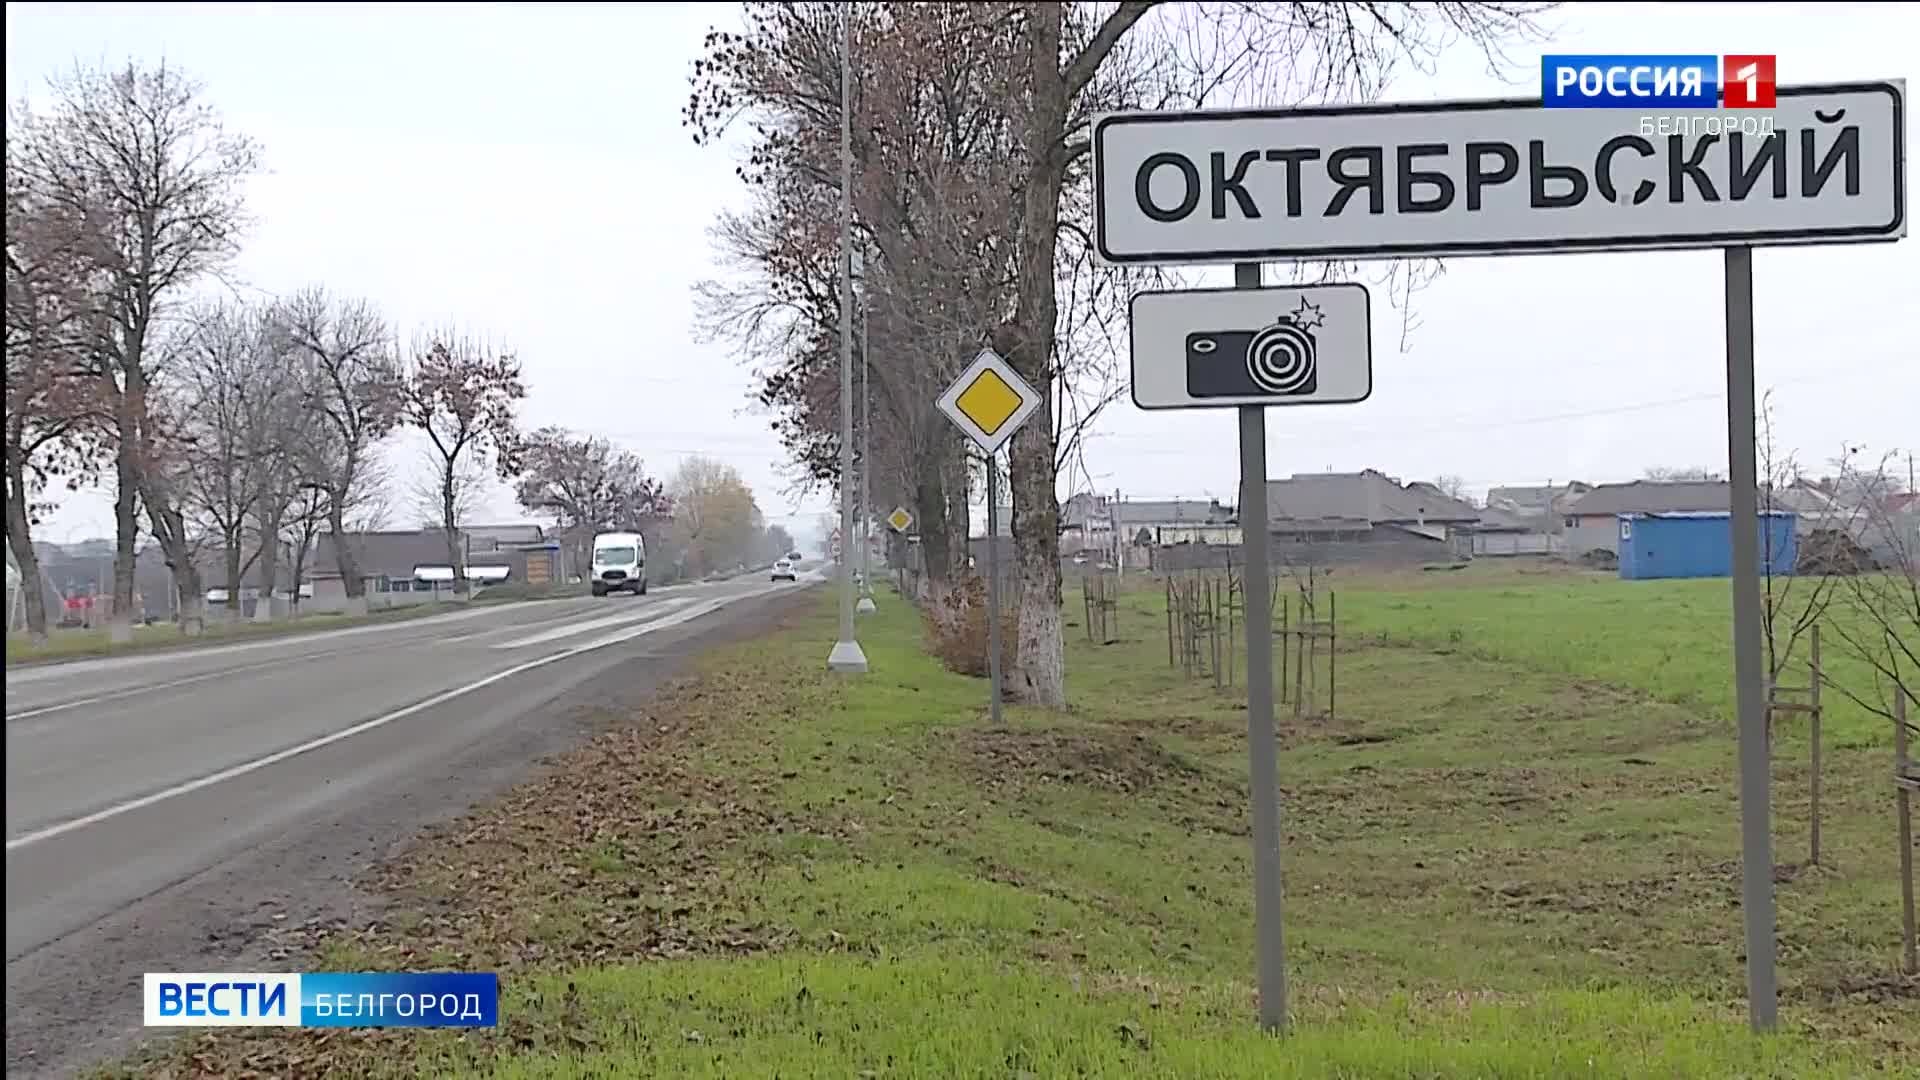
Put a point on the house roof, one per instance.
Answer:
(385, 554)
(1654, 497)
(1501, 519)
(1540, 498)
(1369, 496)
(1083, 507)
(490, 536)
(1691, 515)
(1173, 512)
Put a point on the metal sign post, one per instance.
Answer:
(1246, 348)
(1263, 754)
(993, 588)
(866, 605)
(847, 656)
(989, 402)
(1826, 165)
(1750, 697)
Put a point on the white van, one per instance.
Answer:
(619, 564)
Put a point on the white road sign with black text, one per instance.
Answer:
(1498, 177)
(1201, 348)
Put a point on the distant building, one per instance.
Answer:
(1593, 520)
(1698, 544)
(1118, 528)
(1365, 517)
(400, 568)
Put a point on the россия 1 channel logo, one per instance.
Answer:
(1657, 82)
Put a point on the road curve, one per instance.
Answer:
(130, 777)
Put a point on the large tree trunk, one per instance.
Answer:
(1040, 678)
(959, 521)
(170, 530)
(447, 524)
(343, 559)
(299, 576)
(126, 531)
(20, 540)
(236, 606)
(930, 513)
(268, 559)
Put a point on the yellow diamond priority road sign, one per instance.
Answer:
(989, 401)
(900, 521)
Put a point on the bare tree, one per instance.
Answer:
(283, 477)
(1880, 607)
(1678, 473)
(429, 494)
(464, 398)
(586, 485)
(1454, 487)
(1795, 598)
(238, 385)
(1045, 69)
(56, 315)
(140, 145)
(351, 393)
(309, 515)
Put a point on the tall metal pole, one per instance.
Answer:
(866, 605)
(847, 655)
(993, 588)
(1756, 843)
(1262, 753)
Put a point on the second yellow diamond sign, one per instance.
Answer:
(989, 401)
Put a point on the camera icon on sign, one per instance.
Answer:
(1280, 360)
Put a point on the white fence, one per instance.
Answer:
(1494, 545)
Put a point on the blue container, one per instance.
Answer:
(1698, 544)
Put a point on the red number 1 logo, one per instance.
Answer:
(1746, 82)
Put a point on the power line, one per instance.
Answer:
(1475, 425)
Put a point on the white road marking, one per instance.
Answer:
(71, 669)
(648, 613)
(149, 688)
(257, 764)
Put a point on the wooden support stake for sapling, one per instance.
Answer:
(1213, 627)
(1285, 640)
(1233, 592)
(1310, 667)
(1169, 583)
(1814, 677)
(1333, 649)
(1903, 802)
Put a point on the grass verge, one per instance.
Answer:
(1492, 872)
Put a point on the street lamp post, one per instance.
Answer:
(866, 605)
(847, 656)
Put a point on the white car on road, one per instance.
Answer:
(783, 571)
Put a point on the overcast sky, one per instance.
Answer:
(522, 170)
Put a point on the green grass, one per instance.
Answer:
(1671, 640)
(1492, 869)
(1494, 843)
(970, 1015)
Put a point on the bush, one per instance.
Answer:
(956, 629)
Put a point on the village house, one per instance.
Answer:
(1592, 522)
(1366, 517)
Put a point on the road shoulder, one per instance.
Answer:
(67, 1002)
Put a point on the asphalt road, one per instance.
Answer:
(159, 804)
